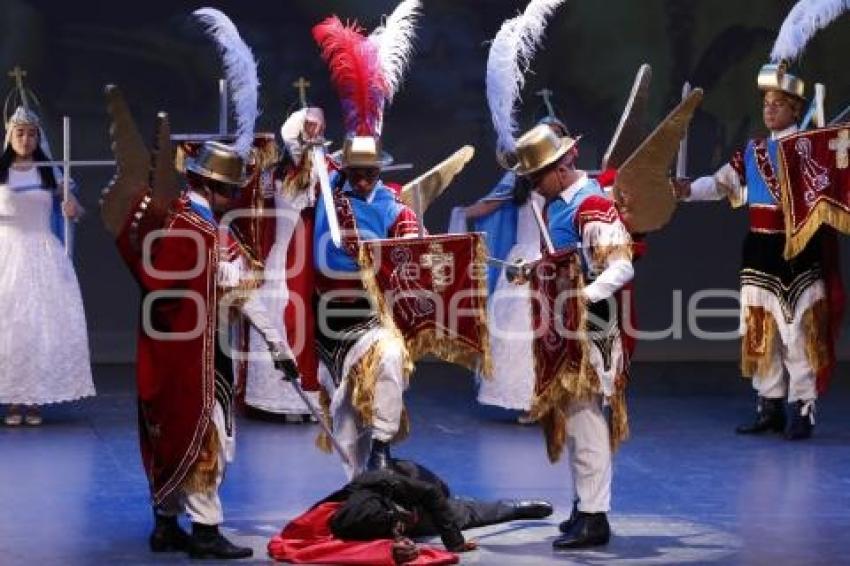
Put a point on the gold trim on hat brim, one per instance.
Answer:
(567, 143)
(772, 78)
(385, 161)
(192, 166)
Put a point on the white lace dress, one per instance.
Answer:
(509, 316)
(264, 388)
(44, 350)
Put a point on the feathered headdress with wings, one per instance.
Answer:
(367, 71)
(509, 59)
(240, 71)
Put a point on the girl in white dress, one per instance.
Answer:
(44, 353)
(506, 216)
(509, 306)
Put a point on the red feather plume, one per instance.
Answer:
(355, 73)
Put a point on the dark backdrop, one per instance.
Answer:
(158, 56)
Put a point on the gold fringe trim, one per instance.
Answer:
(619, 415)
(300, 182)
(404, 427)
(265, 156)
(554, 425)
(323, 442)
(736, 197)
(427, 341)
(816, 332)
(571, 384)
(385, 316)
(363, 377)
(202, 477)
(758, 345)
(600, 255)
(823, 213)
(484, 361)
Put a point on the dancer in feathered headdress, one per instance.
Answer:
(367, 72)
(576, 378)
(790, 308)
(185, 376)
(505, 214)
(368, 362)
(222, 162)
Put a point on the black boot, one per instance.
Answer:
(566, 525)
(589, 529)
(167, 535)
(528, 509)
(379, 457)
(207, 542)
(802, 420)
(770, 417)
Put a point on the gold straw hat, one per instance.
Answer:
(363, 151)
(540, 147)
(219, 162)
(776, 77)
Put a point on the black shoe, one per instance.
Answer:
(589, 529)
(770, 417)
(207, 542)
(567, 525)
(529, 509)
(168, 536)
(379, 457)
(802, 420)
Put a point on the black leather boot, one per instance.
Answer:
(379, 457)
(167, 535)
(770, 417)
(529, 509)
(208, 542)
(589, 529)
(802, 420)
(566, 525)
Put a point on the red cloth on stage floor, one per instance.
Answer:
(308, 540)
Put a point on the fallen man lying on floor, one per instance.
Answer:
(370, 519)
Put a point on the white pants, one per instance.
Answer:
(203, 507)
(589, 450)
(789, 349)
(801, 384)
(355, 438)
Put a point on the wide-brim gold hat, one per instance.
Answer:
(776, 77)
(362, 152)
(219, 162)
(540, 147)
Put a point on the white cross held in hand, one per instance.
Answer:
(841, 147)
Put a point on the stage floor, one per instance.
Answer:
(686, 489)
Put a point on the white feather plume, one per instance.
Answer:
(240, 71)
(510, 57)
(394, 40)
(802, 22)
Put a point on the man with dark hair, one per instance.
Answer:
(381, 509)
(580, 216)
(785, 303)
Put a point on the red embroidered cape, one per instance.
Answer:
(175, 377)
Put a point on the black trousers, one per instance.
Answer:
(469, 514)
